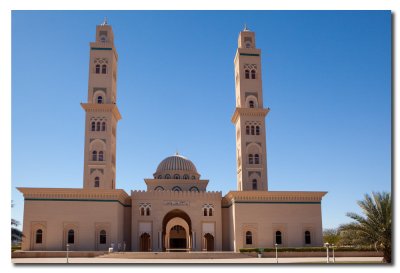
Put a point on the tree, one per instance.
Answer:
(16, 234)
(331, 236)
(375, 226)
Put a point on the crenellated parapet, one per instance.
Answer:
(167, 194)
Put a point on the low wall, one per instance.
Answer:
(56, 254)
(319, 254)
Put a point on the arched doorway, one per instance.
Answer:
(144, 242)
(209, 242)
(177, 231)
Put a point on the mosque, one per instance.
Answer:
(176, 212)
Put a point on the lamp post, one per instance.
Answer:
(276, 252)
(67, 252)
(333, 252)
(327, 252)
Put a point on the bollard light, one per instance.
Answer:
(276, 252)
(67, 252)
(327, 252)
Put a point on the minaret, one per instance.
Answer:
(249, 116)
(102, 113)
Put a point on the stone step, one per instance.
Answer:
(176, 255)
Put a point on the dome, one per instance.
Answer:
(176, 163)
(176, 167)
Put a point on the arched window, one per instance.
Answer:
(39, 236)
(101, 158)
(71, 236)
(247, 74)
(97, 182)
(186, 177)
(193, 177)
(210, 212)
(176, 188)
(194, 188)
(256, 159)
(167, 176)
(251, 104)
(98, 126)
(103, 237)
(253, 74)
(252, 130)
(94, 155)
(249, 238)
(160, 176)
(307, 237)
(100, 99)
(205, 211)
(257, 130)
(177, 176)
(104, 69)
(254, 184)
(97, 69)
(159, 188)
(103, 126)
(247, 130)
(148, 211)
(250, 158)
(278, 237)
(142, 211)
(93, 126)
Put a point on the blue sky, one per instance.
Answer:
(326, 78)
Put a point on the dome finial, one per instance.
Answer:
(245, 27)
(104, 22)
(177, 152)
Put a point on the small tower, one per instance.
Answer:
(249, 116)
(102, 114)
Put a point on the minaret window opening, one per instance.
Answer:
(141, 211)
(247, 130)
(101, 154)
(210, 212)
(253, 74)
(247, 74)
(205, 212)
(98, 126)
(251, 104)
(103, 126)
(104, 69)
(93, 126)
(257, 130)
(97, 70)
(97, 182)
(250, 158)
(100, 99)
(254, 184)
(256, 159)
(94, 156)
(148, 211)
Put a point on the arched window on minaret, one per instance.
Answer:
(94, 156)
(99, 99)
(254, 184)
(93, 126)
(256, 159)
(97, 182)
(205, 211)
(103, 126)
(251, 104)
(97, 70)
(142, 211)
(247, 130)
(257, 130)
(250, 158)
(104, 69)
(253, 74)
(148, 211)
(101, 154)
(98, 126)
(247, 74)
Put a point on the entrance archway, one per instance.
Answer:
(209, 242)
(177, 231)
(145, 242)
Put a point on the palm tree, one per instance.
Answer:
(375, 227)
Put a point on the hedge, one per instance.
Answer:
(304, 249)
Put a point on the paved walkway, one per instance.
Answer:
(358, 260)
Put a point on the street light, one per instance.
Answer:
(276, 252)
(333, 252)
(67, 252)
(327, 252)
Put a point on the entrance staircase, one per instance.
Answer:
(176, 255)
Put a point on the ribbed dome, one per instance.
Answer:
(176, 163)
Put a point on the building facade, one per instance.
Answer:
(176, 212)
